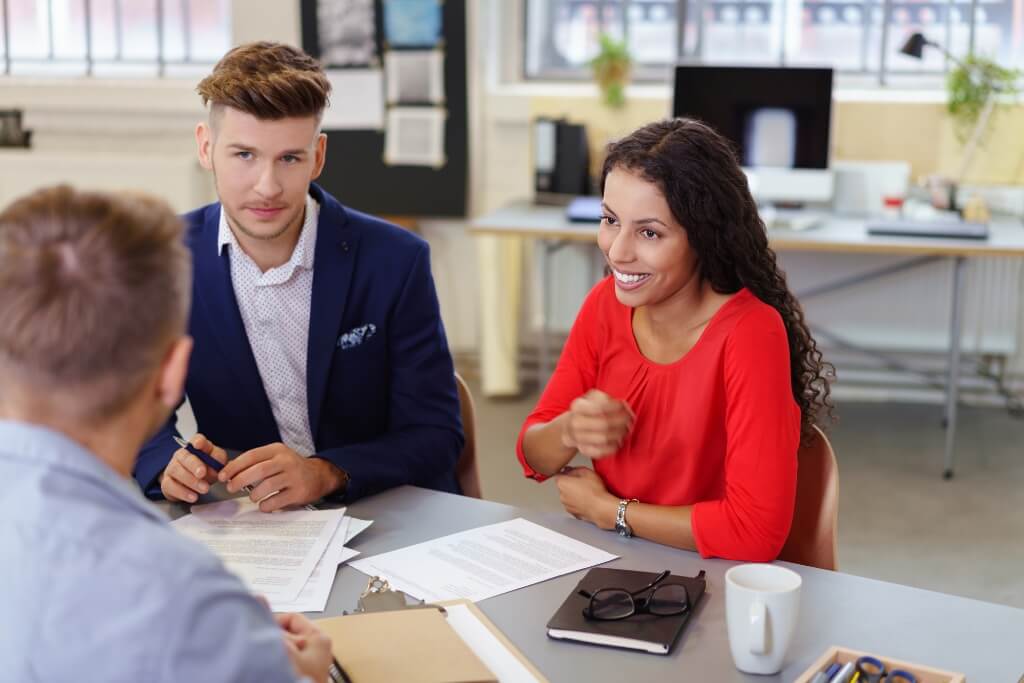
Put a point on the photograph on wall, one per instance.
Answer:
(415, 136)
(412, 23)
(357, 100)
(414, 76)
(346, 32)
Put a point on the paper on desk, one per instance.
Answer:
(356, 527)
(483, 562)
(274, 554)
(485, 645)
(313, 596)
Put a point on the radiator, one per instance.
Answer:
(905, 312)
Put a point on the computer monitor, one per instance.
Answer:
(778, 118)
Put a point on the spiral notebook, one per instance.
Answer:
(646, 632)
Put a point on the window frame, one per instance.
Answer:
(879, 74)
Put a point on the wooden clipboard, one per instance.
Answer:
(502, 638)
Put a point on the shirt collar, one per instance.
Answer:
(305, 248)
(46, 447)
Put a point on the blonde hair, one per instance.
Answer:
(267, 80)
(93, 289)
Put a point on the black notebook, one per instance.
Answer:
(645, 632)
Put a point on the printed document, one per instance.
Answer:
(273, 553)
(313, 596)
(482, 562)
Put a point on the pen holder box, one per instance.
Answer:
(843, 655)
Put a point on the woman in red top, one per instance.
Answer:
(689, 374)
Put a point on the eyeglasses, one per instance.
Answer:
(656, 598)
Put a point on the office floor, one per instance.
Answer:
(898, 520)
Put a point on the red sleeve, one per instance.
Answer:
(575, 373)
(762, 422)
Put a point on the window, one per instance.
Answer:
(112, 37)
(852, 36)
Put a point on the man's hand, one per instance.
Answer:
(584, 496)
(278, 470)
(597, 424)
(186, 476)
(308, 648)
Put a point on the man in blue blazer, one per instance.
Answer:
(319, 348)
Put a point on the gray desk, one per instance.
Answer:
(979, 639)
(845, 235)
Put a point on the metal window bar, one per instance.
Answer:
(947, 41)
(783, 20)
(119, 31)
(682, 6)
(7, 37)
(87, 7)
(186, 30)
(972, 30)
(161, 63)
(49, 28)
(883, 62)
(698, 48)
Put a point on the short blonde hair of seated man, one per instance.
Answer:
(94, 288)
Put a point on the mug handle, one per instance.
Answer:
(757, 626)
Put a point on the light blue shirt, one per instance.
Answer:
(96, 586)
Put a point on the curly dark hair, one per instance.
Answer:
(698, 172)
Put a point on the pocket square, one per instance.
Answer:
(356, 336)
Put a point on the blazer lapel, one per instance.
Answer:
(333, 265)
(214, 294)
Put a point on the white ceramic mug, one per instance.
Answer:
(762, 603)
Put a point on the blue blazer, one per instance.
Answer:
(382, 404)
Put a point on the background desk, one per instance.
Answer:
(549, 225)
(980, 639)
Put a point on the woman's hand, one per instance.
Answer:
(584, 496)
(597, 424)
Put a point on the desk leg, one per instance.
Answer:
(953, 365)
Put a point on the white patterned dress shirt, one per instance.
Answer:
(275, 311)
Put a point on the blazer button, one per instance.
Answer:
(344, 246)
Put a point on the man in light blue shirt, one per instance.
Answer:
(94, 583)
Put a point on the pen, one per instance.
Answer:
(845, 674)
(826, 675)
(207, 459)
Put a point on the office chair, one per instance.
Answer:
(466, 469)
(812, 538)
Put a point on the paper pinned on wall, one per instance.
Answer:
(347, 32)
(357, 100)
(415, 76)
(415, 136)
(412, 23)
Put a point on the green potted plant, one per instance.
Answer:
(971, 86)
(611, 69)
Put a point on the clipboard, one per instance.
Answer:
(500, 635)
(413, 645)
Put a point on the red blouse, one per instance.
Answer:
(718, 429)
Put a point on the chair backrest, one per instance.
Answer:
(812, 539)
(466, 469)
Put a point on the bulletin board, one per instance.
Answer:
(397, 129)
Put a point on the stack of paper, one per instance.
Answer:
(290, 557)
(483, 562)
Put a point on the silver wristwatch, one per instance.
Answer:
(620, 518)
